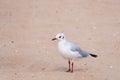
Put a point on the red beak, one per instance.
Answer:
(54, 39)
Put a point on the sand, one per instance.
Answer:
(27, 27)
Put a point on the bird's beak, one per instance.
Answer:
(54, 39)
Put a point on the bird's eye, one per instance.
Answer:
(59, 36)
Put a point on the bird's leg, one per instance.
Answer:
(69, 66)
(72, 67)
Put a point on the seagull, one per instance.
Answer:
(70, 50)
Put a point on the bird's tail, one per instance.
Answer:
(93, 55)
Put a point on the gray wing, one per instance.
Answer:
(76, 48)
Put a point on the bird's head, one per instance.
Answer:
(59, 36)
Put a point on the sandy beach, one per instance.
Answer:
(27, 27)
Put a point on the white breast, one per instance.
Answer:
(66, 52)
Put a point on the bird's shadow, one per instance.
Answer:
(61, 69)
(64, 69)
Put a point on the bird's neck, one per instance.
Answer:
(62, 41)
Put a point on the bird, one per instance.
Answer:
(70, 51)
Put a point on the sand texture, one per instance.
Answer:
(27, 27)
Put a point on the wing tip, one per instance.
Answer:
(93, 55)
